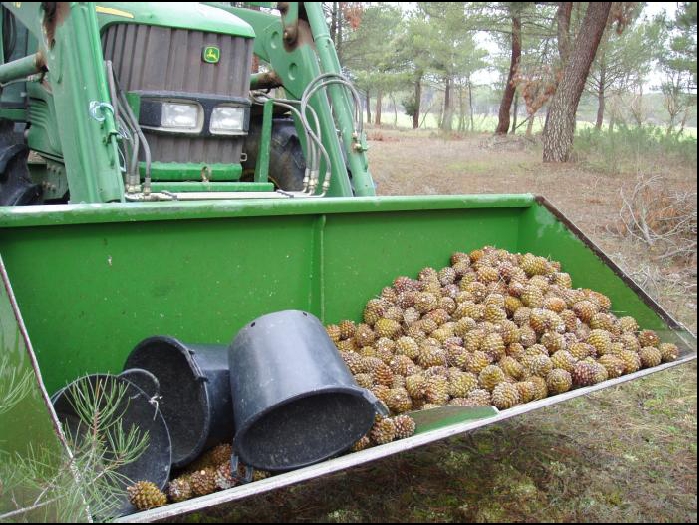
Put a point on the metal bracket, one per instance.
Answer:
(360, 143)
(97, 110)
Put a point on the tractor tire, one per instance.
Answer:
(287, 164)
(16, 187)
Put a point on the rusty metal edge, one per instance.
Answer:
(372, 454)
(678, 327)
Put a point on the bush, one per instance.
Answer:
(409, 106)
(625, 146)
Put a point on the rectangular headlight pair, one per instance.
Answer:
(189, 118)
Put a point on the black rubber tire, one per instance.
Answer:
(287, 164)
(16, 187)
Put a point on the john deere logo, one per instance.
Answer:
(211, 55)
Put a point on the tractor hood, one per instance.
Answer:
(181, 15)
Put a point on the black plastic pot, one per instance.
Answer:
(295, 401)
(136, 409)
(195, 395)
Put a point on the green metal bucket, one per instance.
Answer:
(91, 281)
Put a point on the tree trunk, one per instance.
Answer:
(448, 111)
(613, 108)
(515, 108)
(683, 122)
(600, 96)
(560, 119)
(379, 101)
(600, 108)
(671, 125)
(417, 94)
(565, 9)
(462, 110)
(530, 125)
(334, 21)
(336, 29)
(424, 116)
(470, 103)
(509, 93)
(636, 108)
(395, 110)
(368, 107)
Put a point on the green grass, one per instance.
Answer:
(482, 123)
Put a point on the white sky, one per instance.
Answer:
(653, 8)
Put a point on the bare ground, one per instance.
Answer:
(409, 163)
(625, 454)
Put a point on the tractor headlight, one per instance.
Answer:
(176, 116)
(228, 120)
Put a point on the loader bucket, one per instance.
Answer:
(91, 281)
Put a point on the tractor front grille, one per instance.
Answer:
(162, 59)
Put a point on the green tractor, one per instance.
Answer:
(154, 181)
(127, 102)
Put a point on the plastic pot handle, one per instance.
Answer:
(143, 379)
(235, 462)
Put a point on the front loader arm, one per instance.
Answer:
(298, 47)
(69, 47)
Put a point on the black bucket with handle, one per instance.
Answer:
(195, 395)
(295, 401)
(134, 410)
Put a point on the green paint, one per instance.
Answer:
(20, 68)
(198, 17)
(95, 214)
(25, 426)
(262, 166)
(440, 417)
(15, 114)
(192, 171)
(52, 176)
(85, 143)
(92, 281)
(211, 186)
(27, 423)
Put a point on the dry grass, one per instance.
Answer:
(625, 454)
